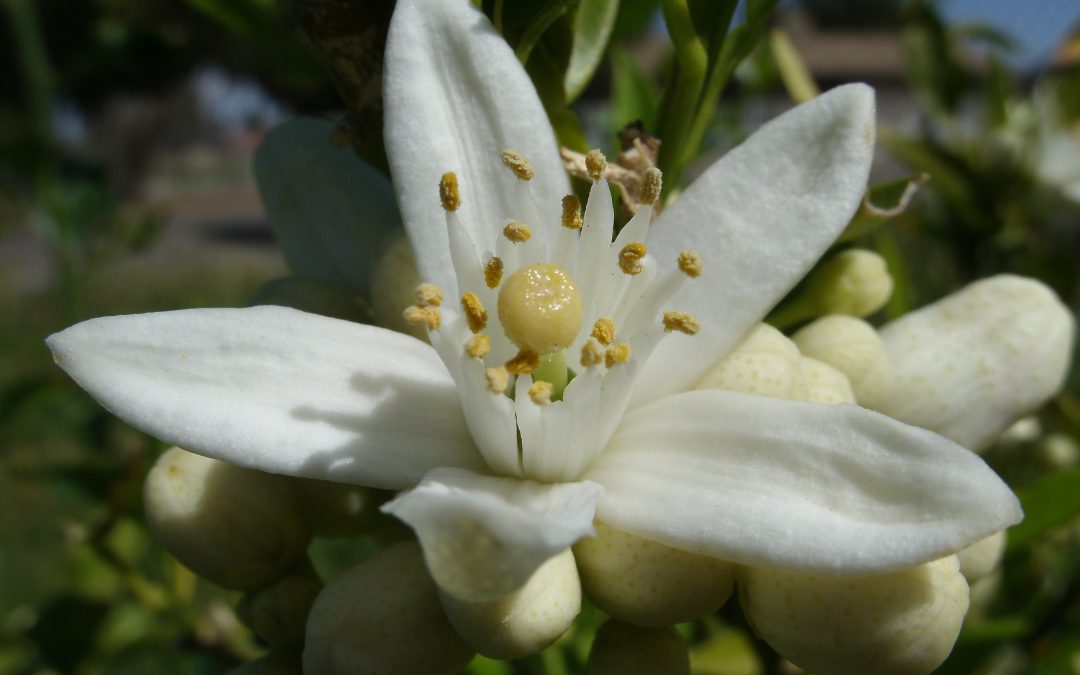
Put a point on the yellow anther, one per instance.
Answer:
(429, 316)
(683, 322)
(478, 346)
(540, 392)
(517, 163)
(651, 186)
(690, 263)
(493, 271)
(523, 363)
(428, 294)
(604, 330)
(571, 212)
(630, 258)
(517, 232)
(595, 164)
(497, 380)
(540, 308)
(449, 194)
(616, 354)
(592, 354)
(475, 313)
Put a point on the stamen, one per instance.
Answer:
(475, 313)
(595, 164)
(604, 330)
(517, 164)
(517, 232)
(429, 294)
(571, 212)
(630, 258)
(540, 392)
(449, 194)
(429, 316)
(652, 185)
(478, 346)
(690, 263)
(616, 354)
(523, 363)
(493, 271)
(592, 354)
(497, 380)
(684, 322)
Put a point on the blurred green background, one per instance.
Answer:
(126, 133)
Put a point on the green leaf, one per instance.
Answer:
(313, 296)
(592, 29)
(1048, 503)
(881, 204)
(328, 209)
(633, 96)
(546, 67)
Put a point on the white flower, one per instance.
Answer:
(743, 478)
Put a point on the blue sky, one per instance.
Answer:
(1037, 26)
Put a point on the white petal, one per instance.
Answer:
(276, 389)
(760, 217)
(483, 537)
(822, 488)
(455, 97)
(328, 208)
(976, 361)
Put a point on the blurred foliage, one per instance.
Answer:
(86, 590)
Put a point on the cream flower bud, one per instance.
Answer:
(825, 384)
(526, 621)
(383, 616)
(393, 287)
(853, 347)
(903, 623)
(647, 583)
(237, 527)
(278, 613)
(337, 509)
(765, 362)
(971, 364)
(854, 282)
(980, 559)
(622, 649)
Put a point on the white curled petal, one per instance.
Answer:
(455, 97)
(976, 361)
(788, 484)
(328, 209)
(760, 217)
(483, 537)
(276, 389)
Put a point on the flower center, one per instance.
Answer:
(540, 308)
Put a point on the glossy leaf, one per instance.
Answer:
(593, 24)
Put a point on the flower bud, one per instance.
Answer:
(524, 622)
(622, 649)
(980, 559)
(237, 527)
(278, 613)
(393, 287)
(1059, 451)
(905, 622)
(825, 384)
(337, 509)
(854, 282)
(971, 364)
(853, 347)
(765, 362)
(647, 583)
(383, 616)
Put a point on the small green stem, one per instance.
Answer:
(552, 369)
(36, 71)
(684, 91)
(791, 313)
